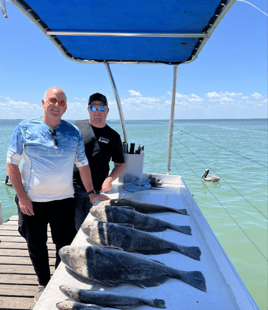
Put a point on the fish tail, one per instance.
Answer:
(193, 278)
(182, 229)
(157, 303)
(190, 251)
(181, 211)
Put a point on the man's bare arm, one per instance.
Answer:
(86, 178)
(107, 184)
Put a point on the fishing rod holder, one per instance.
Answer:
(133, 165)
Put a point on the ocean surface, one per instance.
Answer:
(235, 208)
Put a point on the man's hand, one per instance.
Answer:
(94, 197)
(26, 206)
(25, 202)
(106, 185)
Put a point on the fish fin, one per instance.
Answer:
(157, 303)
(193, 278)
(191, 251)
(110, 256)
(157, 261)
(107, 282)
(182, 229)
(182, 211)
(155, 281)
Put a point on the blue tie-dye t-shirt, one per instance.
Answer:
(47, 168)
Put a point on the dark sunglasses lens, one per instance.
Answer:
(92, 108)
(101, 109)
(53, 100)
(62, 103)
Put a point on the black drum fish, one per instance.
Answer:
(110, 267)
(139, 221)
(107, 299)
(133, 240)
(141, 206)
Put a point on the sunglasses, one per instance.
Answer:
(93, 108)
(61, 103)
(54, 134)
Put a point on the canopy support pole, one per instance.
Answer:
(171, 121)
(117, 100)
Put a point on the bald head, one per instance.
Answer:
(54, 90)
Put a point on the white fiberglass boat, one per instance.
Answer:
(149, 32)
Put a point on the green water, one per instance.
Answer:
(235, 208)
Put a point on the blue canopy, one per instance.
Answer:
(143, 31)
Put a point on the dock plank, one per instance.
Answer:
(18, 303)
(8, 227)
(21, 245)
(26, 279)
(19, 260)
(19, 269)
(18, 290)
(22, 252)
(18, 281)
(17, 238)
(4, 232)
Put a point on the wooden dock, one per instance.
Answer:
(18, 282)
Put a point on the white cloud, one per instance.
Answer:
(256, 96)
(227, 99)
(134, 93)
(136, 106)
(212, 95)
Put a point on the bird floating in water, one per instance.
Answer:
(211, 178)
(7, 181)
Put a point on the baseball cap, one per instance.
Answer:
(98, 97)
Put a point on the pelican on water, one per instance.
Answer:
(7, 181)
(211, 178)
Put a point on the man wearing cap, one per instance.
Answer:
(102, 144)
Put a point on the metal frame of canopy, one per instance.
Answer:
(222, 9)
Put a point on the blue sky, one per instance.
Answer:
(227, 80)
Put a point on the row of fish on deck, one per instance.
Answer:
(121, 226)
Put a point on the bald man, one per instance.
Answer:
(49, 147)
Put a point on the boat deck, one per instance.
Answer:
(18, 282)
(225, 290)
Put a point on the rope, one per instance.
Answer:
(3, 8)
(253, 6)
(223, 179)
(228, 213)
(225, 149)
